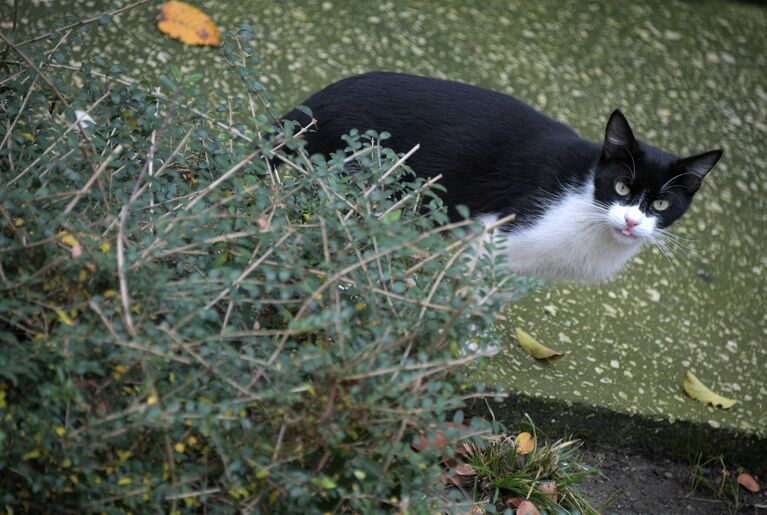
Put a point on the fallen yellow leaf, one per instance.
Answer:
(123, 455)
(701, 393)
(71, 242)
(67, 239)
(524, 443)
(534, 347)
(26, 135)
(188, 24)
(64, 318)
(31, 455)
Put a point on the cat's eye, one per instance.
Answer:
(621, 188)
(660, 204)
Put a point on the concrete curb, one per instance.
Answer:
(602, 428)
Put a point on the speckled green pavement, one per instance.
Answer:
(689, 75)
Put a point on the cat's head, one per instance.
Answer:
(643, 189)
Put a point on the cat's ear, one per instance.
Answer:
(696, 167)
(619, 139)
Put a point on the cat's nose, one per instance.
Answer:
(631, 221)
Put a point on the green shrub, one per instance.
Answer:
(185, 326)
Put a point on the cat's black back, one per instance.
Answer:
(492, 150)
(582, 209)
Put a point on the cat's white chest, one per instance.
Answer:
(572, 241)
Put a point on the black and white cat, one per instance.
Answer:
(582, 209)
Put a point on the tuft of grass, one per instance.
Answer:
(712, 477)
(503, 473)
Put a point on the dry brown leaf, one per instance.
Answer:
(448, 462)
(748, 482)
(452, 479)
(527, 508)
(524, 443)
(440, 440)
(465, 469)
(188, 24)
(549, 490)
(476, 509)
(514, 502)
(422, 442)
(263, 223)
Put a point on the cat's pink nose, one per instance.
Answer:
(631, 222)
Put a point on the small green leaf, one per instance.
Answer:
(167, 82)
(176, 72)
(192, 78)
(392, 217)
(324, 482)
(463, 211)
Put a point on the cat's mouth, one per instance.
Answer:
(625, 234)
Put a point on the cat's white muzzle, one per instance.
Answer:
(630, 225)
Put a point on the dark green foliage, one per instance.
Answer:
(183, 325)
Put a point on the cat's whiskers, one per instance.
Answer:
(633, 168)
(547, 199)
(675, 238)
(662, 241)
(677, 242)
(670, 246)
(595, 217)
(666, 252)
(677, 250)
(592, 218)
(671, 187)
(667, 184)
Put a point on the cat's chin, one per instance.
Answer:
(629, 239)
